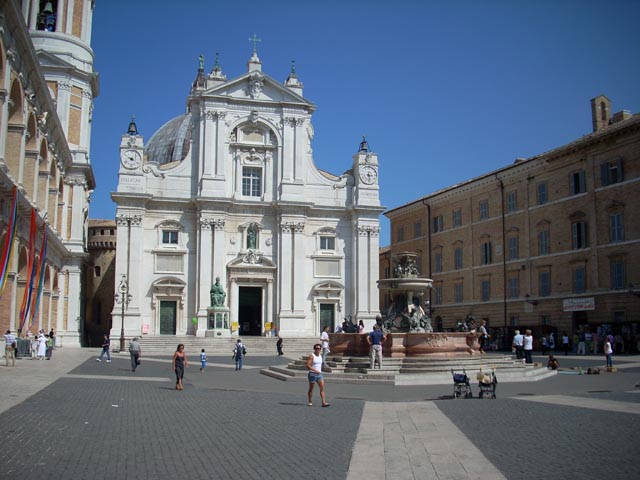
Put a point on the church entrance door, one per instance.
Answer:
(168, 311)
(250, 311)
(327, 316)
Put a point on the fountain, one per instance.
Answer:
(407, 326)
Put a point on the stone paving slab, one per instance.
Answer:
(582, 402)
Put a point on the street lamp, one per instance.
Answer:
(123, 298)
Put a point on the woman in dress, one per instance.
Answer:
(314, 366)
(179, 363)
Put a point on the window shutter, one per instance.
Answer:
(604, 174)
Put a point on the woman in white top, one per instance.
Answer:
(314, 365)
(608, 352)
(527, 346)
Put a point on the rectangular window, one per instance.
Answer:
(543, 242)
(327, 243)
(545, 320)
(438, 292)
(417, 229)
(579, 280)
(457, 293)
(400, 234)
(327, 268)
(457, 218)
(611, 172)
(251, 181)
(513, 248)
(457, 258)
(96, 270)
(438, 261)
(616, 227)
(170, 237)
(514, 287)
(438, 224)
(512, 201)
(542, 193)
(579, 235)
(578, 184)
(485, 253)
(484, 209)
(514, 321)
(486, 290)
(544, 283)
(618, 280)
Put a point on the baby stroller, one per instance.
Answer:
(487, 383)
(461, 385)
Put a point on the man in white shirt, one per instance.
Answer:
(324, 339)
(517, 344)
(9, 351)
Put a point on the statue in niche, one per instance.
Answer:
(252, 237)
(217, 294)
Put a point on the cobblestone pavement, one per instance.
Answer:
(100, 420)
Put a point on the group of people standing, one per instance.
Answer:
(40, 346)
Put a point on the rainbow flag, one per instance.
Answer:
(7, 250)
(31, 271)
(42, 265)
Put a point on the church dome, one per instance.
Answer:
(172, 141)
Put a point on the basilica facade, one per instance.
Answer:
(229, 190)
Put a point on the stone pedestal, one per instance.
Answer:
(218, 323)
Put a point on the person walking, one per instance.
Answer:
(106, 345)
(314, 375)
(9, 348)
(324, 339)
(565, 343)
(179, 363)
(34, 348)
(484, 336)
(48, 347)
(135, 352)
(608, 352)
(203, 360)
(581, 344)
(239, 352)
(527, 346)
(279, 345)
(375, 339)
(518, 339)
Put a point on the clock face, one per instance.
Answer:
(368, 175)
(131, 159)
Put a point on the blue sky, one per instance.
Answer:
(444, 90)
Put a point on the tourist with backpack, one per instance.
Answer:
(239, 352)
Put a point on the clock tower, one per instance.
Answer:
(365, 171)
(131, 160)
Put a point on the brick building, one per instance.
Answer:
(549, 240)
(100, 280)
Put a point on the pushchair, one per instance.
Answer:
(461, 385)
(487, 383)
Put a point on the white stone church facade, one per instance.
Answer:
(230, 190)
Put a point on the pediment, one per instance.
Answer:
(251, 259)
(48, 60)
(257, 86)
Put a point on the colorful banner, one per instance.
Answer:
(7, 250)
(31, 271)
(42, 265)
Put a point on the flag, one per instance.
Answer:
(7, 250)
(42, 265)
(31, 271)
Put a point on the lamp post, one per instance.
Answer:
(123, 298)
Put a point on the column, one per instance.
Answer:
(298, 283)
(33, 16)
(285, 268)
(59, 12)
(288, 149)
(62, 289)
(74, 289)
(233, 303)
(374, 270)
(269, 302)
(361, 265)
(299, 153)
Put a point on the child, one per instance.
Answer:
(552, 364)
(203, 360)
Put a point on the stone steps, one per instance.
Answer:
(412, 371)
(166, 345)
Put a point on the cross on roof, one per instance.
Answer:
(255, 41)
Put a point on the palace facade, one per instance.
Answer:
(552, 240)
